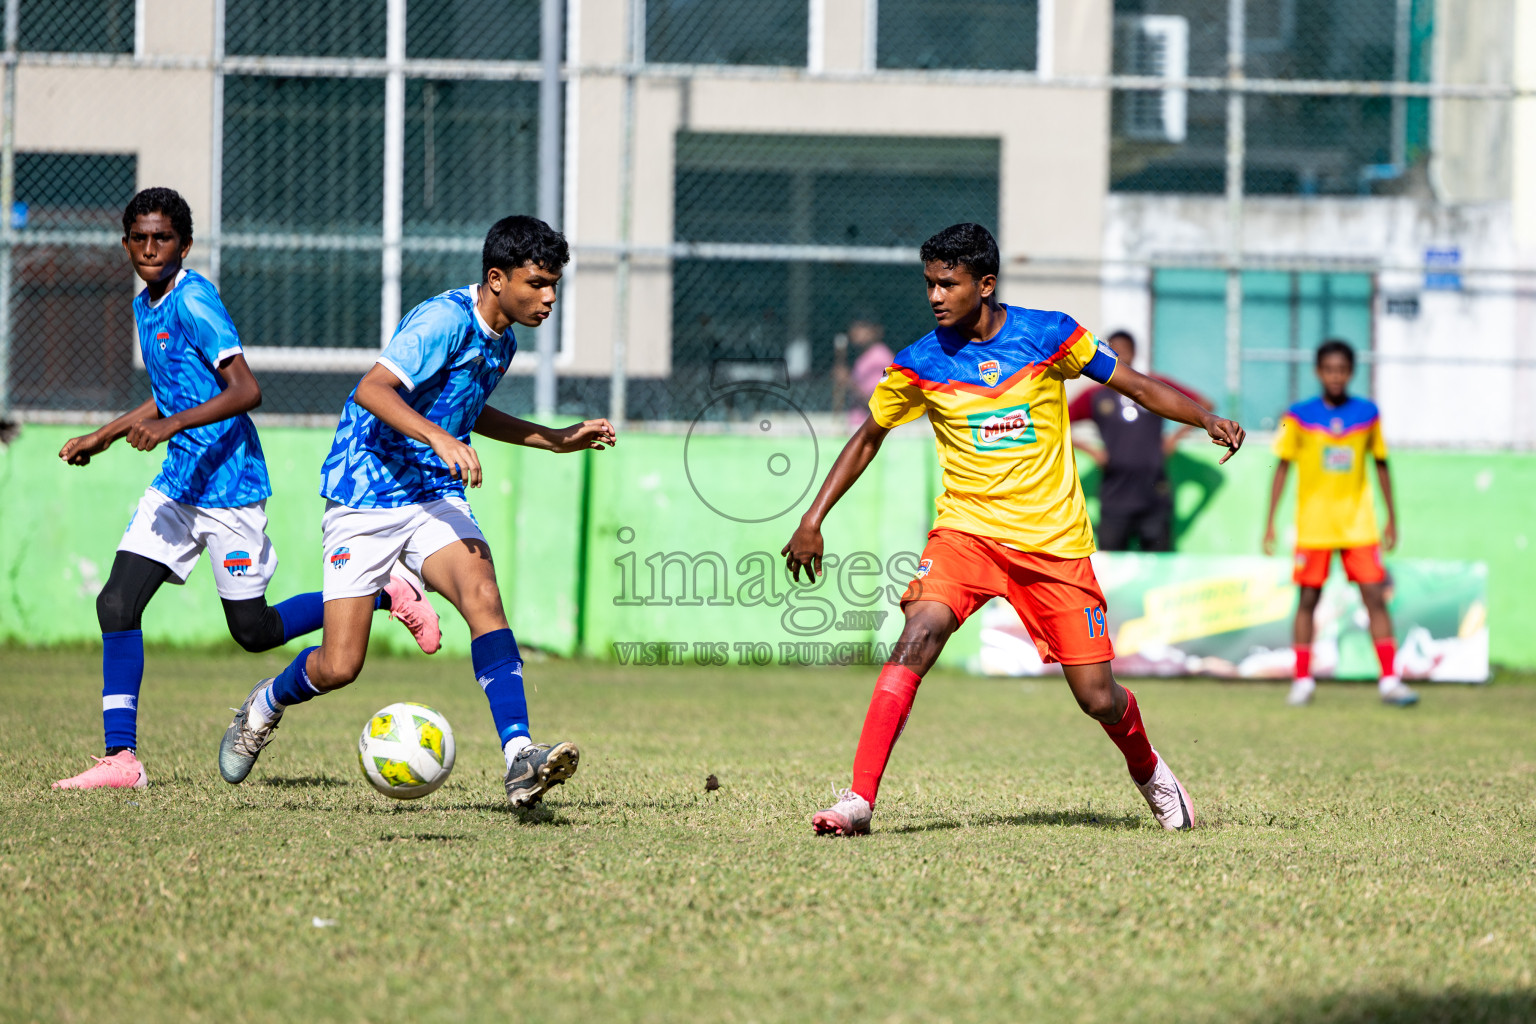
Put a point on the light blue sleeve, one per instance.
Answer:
(206, 321)
(424, 342)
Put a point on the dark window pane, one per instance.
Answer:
(471, 154)
(303, 298)
(305, 28)
(303, 154)
(80, 26)
(473, 29)
(725, 32)
(830, 190)
(74, 190)
(993, 34)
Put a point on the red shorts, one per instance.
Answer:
(1058, 599)
(1361, 565)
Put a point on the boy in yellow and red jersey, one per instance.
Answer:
(1011, 522)
(1329, 437)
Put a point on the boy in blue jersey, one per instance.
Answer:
(394, 484)
(210, 493)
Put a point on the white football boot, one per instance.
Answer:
(1166, 796)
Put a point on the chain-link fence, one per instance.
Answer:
(746, 183)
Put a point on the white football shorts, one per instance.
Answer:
(362, 545)
(175, 534)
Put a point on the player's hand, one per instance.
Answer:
(460, 458)
(1226, 433)
(597, 434)
(77, 451)
(147, 434)
(1269, 540)
(803, 552)
(1389, 536)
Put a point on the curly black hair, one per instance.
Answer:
(513, 241)
(160, 200)
(963, 245)
(1333, 346)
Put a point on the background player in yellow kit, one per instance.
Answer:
(1329, 437)
(1011, 522)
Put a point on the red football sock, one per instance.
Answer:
(1303, 661)
(1131, 737)
(887, 716)
(1386, 653)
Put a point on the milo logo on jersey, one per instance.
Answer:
(1004, 428)
(1338, 458)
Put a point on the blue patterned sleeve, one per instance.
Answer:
(206, 321)
(423, 343)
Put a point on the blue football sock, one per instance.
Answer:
(122, 671)
(292, 685)
(499, 671)
(301, 613)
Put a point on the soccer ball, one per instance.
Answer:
(406, 750)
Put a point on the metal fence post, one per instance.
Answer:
(1236, 31)
(394, 166)
(7, 196)
(634, 52)
(216, 151)
(551, 121)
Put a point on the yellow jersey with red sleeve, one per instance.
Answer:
(1329, 445)
(999, 417)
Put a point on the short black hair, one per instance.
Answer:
(513, 241)
(1335, 347)
(160, 200)
(1127, 335)
(969, 245)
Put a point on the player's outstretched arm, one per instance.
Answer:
(499, 426)
(77, 451)
(1276, 488)
(1389, 532)
(1170, 403)
(804, 548)
(241, 394)
(379, 393)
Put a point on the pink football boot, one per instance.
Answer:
(409, 604)
(120, 771)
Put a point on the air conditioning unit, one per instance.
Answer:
(1153, 46)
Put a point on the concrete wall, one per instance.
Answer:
(1457, 373)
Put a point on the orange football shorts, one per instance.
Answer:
(1058, 599)
(1361, 565)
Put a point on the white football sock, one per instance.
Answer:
(264, 708)
(514, 747)
(1389, 683)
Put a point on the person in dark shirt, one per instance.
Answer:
(1135, 499)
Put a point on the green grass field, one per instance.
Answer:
(1355, 863)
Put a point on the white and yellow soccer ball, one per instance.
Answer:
(406, 750)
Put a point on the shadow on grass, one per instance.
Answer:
(424, 837)
(305, 782)
(1032, 818)
(1454, 1007)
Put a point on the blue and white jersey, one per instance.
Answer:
(184, 337)
(450, 361)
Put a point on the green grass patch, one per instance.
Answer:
(1356, 863)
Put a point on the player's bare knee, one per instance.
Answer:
(1308, 598)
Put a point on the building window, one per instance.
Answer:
(989, 34)
(82, 26)
(813, 191)
(305, 28)
(473, 29)
(726, 32)
(1286, 315)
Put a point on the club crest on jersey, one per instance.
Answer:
(1003, 428)
(237, 563)
(990, 371)
(162, 337)
(924, 568)
(340, 557)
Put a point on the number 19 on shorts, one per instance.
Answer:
(1097, 627)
